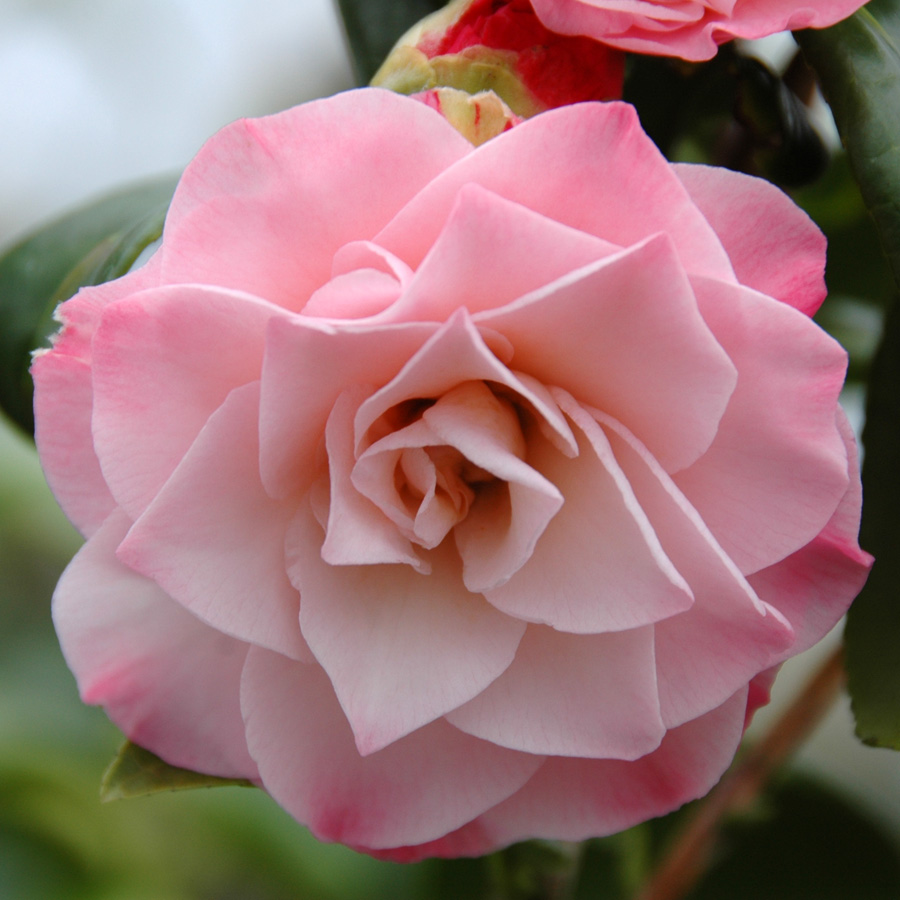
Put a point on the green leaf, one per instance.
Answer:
(873, 624)
(136, 772)
(89, 246)
(858, 63)
(804, 841)
(374, 26)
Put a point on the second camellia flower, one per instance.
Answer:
(454, 495)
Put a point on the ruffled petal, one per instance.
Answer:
(572, 695)
(691, 30)
(63, 401)
(164, 361)
(357, 531)
(416, 790)
(400, 648)
(598, 566)
(672, 392)
(777, 469)
(608, 180)
(814, 587)
(63, 397)
(468, 266)
(214, 540)
(774, 246)
(309, 363)
(457, 352)
(266, 203)
(169, 681)
(705, 654)
(572, 799)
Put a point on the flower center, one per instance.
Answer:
(429, 460)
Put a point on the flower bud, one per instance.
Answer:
(501, 46)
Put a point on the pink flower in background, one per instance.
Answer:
(455, 495)
(691, 29)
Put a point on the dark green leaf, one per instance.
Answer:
(873, 625)
(804, 842)
(89, 246)
(858, 63)
(136, 772)
(374, 26)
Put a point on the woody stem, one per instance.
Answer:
(689, 855)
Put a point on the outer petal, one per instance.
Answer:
(164, 361)
(672, 392)
(608, 179)
(777, 469)
(599, 565)
(167, 680)
(80, 315)
(309, 363)
(416, 790)
(774, 246)
(62, 414)
(256, 210)
(572, 695)
(814, 586)
(214, 539)
(468, 266)
(705, 654)
(400, 648)
(63, 397)
(574, 799)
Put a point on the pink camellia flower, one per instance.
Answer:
(691, 29)
(454, 495)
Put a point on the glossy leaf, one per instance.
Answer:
(858, 62)
(374, 26)
(89, 246)
(136, 772)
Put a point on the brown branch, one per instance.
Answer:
(689, 855)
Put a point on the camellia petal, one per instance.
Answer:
(358, 533)
(774, 246)
(729, 634)
(778, 451)
(308, 365)
(674, 394)
(418, 789)
(166, 679)
(573, 695)
(64, 402)
(597, 153)
(467, 261)
(164, 361)
(193, 539)
(809, 587)
(690, 29)
(62, 405)
(571, 581)
(570, 799)
(401, 648)
(458, 352)
(264, 190)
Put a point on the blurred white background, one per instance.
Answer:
(97, 93)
